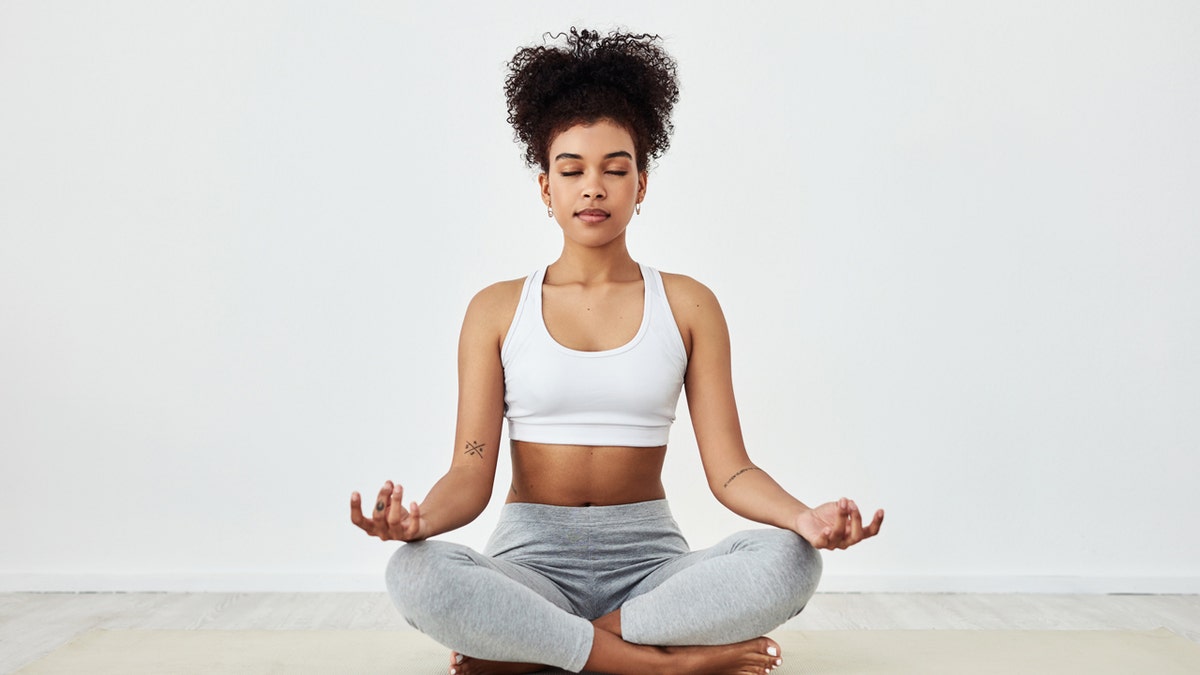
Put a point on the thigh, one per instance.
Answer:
(485, 607)
(747, 584)
(745, 541)
(435, 565)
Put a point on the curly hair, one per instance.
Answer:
(623, 77)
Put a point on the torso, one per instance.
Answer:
(581, 475)
(588, 319)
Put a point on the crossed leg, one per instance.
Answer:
(719, 597)
(611, 654)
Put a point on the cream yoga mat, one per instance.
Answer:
(890, 652)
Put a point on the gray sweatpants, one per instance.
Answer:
(548, 570)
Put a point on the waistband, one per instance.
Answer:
(655, 509)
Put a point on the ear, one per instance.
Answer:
(642, 176)
(544, 187)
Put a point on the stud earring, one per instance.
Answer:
(637, 208)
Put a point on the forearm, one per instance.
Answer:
(455, 500)
(751, 493)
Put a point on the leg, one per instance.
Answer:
(748, 584)
(611, 654)
(484, 607)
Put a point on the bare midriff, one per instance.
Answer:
(585, 475)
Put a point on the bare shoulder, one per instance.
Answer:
(491, 310)
(697, 313)
(687, 296)
(498, 297)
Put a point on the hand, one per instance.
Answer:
(390, 520)
(836, 525)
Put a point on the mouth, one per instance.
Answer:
(592, 215)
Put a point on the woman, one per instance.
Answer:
(586, 359)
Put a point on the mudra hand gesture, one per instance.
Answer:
(836, 525)
(389, 520)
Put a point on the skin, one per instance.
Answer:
(592, 301)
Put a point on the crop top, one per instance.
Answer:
(624, 396)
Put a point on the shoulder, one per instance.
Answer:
(496, 303)
(697, 313)
(491, 312)
(498, 296)
(687, 295)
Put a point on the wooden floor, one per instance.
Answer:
(34, 624)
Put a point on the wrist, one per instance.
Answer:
(799, 514)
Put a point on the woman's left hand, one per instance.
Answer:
(836, 525)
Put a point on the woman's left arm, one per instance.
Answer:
(734, 480)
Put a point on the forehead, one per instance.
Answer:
(598, 139)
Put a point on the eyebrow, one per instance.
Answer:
(571, 155)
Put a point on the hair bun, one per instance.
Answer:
(625, 77)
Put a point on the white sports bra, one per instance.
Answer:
(623, 397)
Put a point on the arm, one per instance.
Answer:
(733, 479)
(463, 493)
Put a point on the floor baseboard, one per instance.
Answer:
(258, 582)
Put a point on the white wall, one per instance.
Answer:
(957, 244)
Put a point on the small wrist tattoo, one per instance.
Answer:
(749, 468)
(474, 448)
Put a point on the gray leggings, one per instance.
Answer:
(549, 570)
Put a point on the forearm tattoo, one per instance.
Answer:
(475, 448)
(749, 468)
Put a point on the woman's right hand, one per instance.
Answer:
(389, 520)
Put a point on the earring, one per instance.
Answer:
(549, 211)
(637, 208)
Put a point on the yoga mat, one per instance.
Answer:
(890, 652)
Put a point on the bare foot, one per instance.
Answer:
(752, 657)
(465, 665)
(611, 654)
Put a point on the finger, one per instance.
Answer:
(856, 526)
(356, 515)
(395, 511)
(826, 536)
(876, 523)
(414, 521)
(381, 503)
(838, 533)
(848, 534)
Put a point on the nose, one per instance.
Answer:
(593, 189)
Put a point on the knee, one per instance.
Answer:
(414, 576)
(796, 567)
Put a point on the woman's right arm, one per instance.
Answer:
(463, 493)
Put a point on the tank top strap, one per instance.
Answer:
(663, 317)
(529, 309)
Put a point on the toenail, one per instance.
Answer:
(772, 651)
(458, 658)
(779, 662)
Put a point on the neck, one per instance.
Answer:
(586, 264)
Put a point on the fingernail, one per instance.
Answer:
(772, 651)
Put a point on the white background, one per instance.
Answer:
(957, 243)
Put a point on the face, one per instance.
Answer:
(593, 182)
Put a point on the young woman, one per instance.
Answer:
(586, 359)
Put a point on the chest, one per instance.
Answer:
(593, 319)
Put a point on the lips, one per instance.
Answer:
(592, 215)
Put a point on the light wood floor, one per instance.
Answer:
(34, 624)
